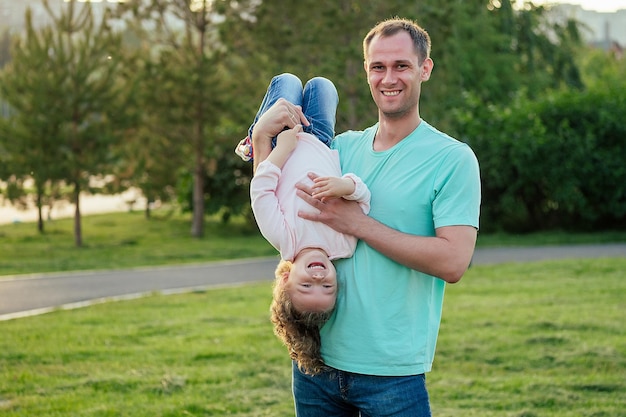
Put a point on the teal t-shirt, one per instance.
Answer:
(387, 316)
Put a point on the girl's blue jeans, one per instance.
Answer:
(318, 99)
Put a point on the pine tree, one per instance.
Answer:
(187, 88)
(65, 88)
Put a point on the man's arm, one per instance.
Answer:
(446, 255)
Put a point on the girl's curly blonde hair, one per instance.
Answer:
(299, 331)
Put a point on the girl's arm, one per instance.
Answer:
(349, 187)
(286, 142)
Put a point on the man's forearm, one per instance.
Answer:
(446, 255)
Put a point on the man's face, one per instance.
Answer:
(312, 282)
(394, 74)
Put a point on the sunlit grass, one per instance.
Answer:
(536, 339)
(123, 240)
(205, 353)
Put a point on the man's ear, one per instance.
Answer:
(427, 68)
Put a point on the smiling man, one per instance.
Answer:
(419, 235)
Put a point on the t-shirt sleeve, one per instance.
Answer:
(457, 190)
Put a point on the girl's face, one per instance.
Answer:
(312, 282)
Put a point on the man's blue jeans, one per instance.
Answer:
(318, 100)
(337, 393)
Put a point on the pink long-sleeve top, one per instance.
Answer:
(276, 205)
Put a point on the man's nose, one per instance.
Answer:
(390, 77)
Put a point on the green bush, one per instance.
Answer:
(553, 163)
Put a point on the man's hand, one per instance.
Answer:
(282, 114)
(338, 213)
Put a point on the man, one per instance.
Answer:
(419, 235)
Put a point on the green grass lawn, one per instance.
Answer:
(124, 240)
(517, 340)
(535, 339)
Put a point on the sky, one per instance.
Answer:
(597, 5)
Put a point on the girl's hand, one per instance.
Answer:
(325, 188)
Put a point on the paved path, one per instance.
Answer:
(542, 253)
(25, 296)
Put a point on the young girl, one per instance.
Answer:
(305, 288)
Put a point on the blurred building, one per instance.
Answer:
(12, 11)
(602, 30)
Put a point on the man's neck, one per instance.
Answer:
(391, 132)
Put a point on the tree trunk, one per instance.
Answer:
(197, 226)
(39, 214)
(78, 233)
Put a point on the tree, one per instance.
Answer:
(483, 48)
(5, 48)
(5, 57)
(547, 50)
(65, 84)
(304, 38)
(150, 156)
(188, 76)
(30, 130)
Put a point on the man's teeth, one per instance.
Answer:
(391, 93)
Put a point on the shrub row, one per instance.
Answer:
(558, 162)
